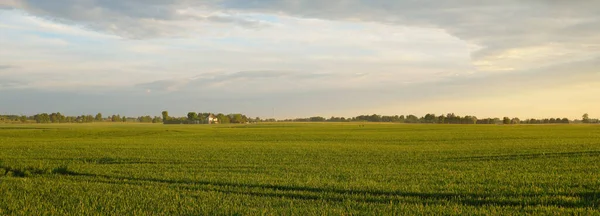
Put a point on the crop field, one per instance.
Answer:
(299, 169)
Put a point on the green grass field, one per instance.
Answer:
(299, 169)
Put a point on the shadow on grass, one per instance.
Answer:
(36, 171)
(526, 156)
(112, 161)
(109, 160)
(584, 200)
(24, 128)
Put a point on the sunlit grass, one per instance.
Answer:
(299, 169)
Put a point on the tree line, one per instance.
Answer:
(45, 118)
(237, 118)
(203, 118)
(450, 118)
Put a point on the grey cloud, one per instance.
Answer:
(135, 19)
(129, 19)
(497, 26)
(4, 67)
(8, 4)
(97, 10)
(242, 78)
(8, 83)
(484, 85)
(292, 103)
(238, 21)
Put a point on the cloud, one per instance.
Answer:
(497, 27)
(4, 67)
(518, 93)
(250, 82)
(10, 83)
(331, 55)
(134, 19)
(236, 20)
(500, 29)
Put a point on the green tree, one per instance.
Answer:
(202, 117)
(236, 118)
(42, 118)
(412, 119)
(124, 119)
(145, 119)
(429, 118)
(316, 119)
(98, 117)
(506, 120)
(192, 116)
(116, 118)
(54, 117)
(515, 121)
(585, 118)
(165, 116)
(223, 119)
(441, 119)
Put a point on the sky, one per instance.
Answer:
(300, 58)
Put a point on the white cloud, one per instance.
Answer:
(383, 50)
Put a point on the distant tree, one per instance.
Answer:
(429, 118)
(54, 117)
(145, 119)
(316, 119)
(223, 119)
(23, 119)
(515, 121)
(585, 118)
(411, 119)
(203, 118)
(165, 116)
(506, 120)
(124, 119)
(192, 116)
(98, 117)
(238, 118)
(441, 119)
(42, 118)
(468, 120)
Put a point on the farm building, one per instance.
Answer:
(212, 119)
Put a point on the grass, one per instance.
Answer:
(299, 169)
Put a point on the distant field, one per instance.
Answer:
(299, 169)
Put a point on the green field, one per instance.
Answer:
(299, 169)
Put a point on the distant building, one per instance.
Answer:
(212, 119)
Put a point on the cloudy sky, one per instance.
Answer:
(296, 58)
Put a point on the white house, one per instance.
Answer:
(212, 119)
